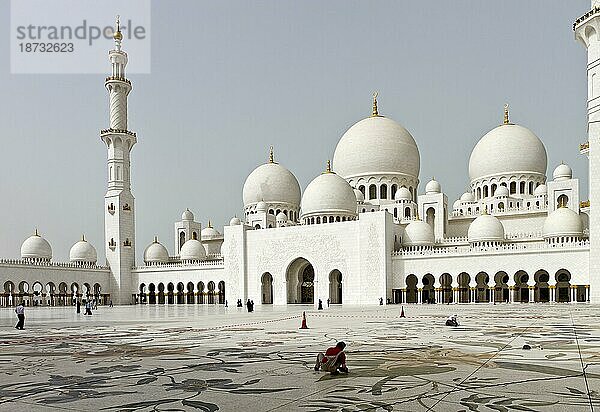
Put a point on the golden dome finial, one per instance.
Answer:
(118, 35)
(375, 110)
(83, 237)
(328, 167)
(209, 224)
(36, 232)
(155, 239)
(506, 121)
(271, 156)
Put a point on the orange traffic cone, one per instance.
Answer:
(402, 313)
(304, 326)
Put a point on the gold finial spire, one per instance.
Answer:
(209, 224)
(271, 156)
(155, 239)
(375, 110)
(36, 232)
(328, 167)
(83, 237)
(506, 121)
(118, 35)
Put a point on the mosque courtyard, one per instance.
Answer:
(211, 358)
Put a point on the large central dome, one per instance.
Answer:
(376, 145)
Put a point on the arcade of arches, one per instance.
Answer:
(500, 287)
(300, 279)
(50, 294)
(180, 293)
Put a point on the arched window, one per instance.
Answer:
(372, 192)
(485, 191)
(530, 188)
(562, 201)
(383, 192)
(513, 188)
(337, 219)
(318, 219)
(330, 219)
(271, 212)
(407, 212)
(362, 189)
(494, 187)
(394, 189)
(395, 212)
(522, 188)
(478, 193)
(501, 206)
(181, 239)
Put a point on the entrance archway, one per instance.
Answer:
(300, 279)
(266, 282)
(563, 286)
(428, 291)
(446, 282)
(501, 292)
(464, 292)
(542, 289)
(335, 287)
(180, 293)
(411, 288)
(482, 293)
(521, 287)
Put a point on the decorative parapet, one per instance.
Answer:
(179, 264)
(586, 16)
(122, 131)
(499, 248)
(37, 263)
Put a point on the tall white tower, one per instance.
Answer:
(587, 31)
(119, 221)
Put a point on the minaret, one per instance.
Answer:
(119, 221)
(587, 29)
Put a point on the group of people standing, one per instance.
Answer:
(249, 305)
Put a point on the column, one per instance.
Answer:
(587, 293)
(552, 287)
(492, 294)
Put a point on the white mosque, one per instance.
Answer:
(361, 231)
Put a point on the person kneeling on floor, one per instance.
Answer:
(452, 321)
(334, 360)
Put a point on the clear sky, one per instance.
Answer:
(230, 78)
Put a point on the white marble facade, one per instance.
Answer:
(360, 232)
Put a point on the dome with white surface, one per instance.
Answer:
(501, 191)
(187, 215)
(486, 228)
(467, 197)
(562, 172)
(36, 248)
(360, 198)
(376, 145)
(541, 190)
(271, 183)
(563, 222)
(235, 221)
(418, 233)
(83, 252)
(433, 186)
(508, 149)
(192, 250)
(329, 195)
(156, 253)
(209, 232)
(402, 194)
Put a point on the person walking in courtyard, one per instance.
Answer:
(381, 301)
(20, 311)
(88, 308)
(333, 360)
(320, 305)
(248, 306)
(328, 302)
(78, 304)
(251, 306)
(110, 305)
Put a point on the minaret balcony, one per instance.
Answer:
(118, 78)
(117, 131)
(584, 148)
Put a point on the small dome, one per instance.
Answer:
(402, 194)
(501, 191)
(235, 221)
(433, 187)
(541, 190)
(187, 215)
(261, 206)
(271, 183)
(562, 172)
(376, 144)
(329, 193)
(209, 232)
(360, 198)
(192, 250)
(456, 204)
(281, 218)
(418, 233)
(467, 197)
(486, 228)
(156, 253)
(563, 222)
(36, 247)
(508, 148)
(83, 251)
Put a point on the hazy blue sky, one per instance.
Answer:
(231, 78)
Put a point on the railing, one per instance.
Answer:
(120, 78)
(586, 16)
(123, 131)
(506, 210)
(466, 250)
(22, 262)
(179, 264)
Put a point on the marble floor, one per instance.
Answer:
(210, 358)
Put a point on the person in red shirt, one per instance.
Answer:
(334, 360)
